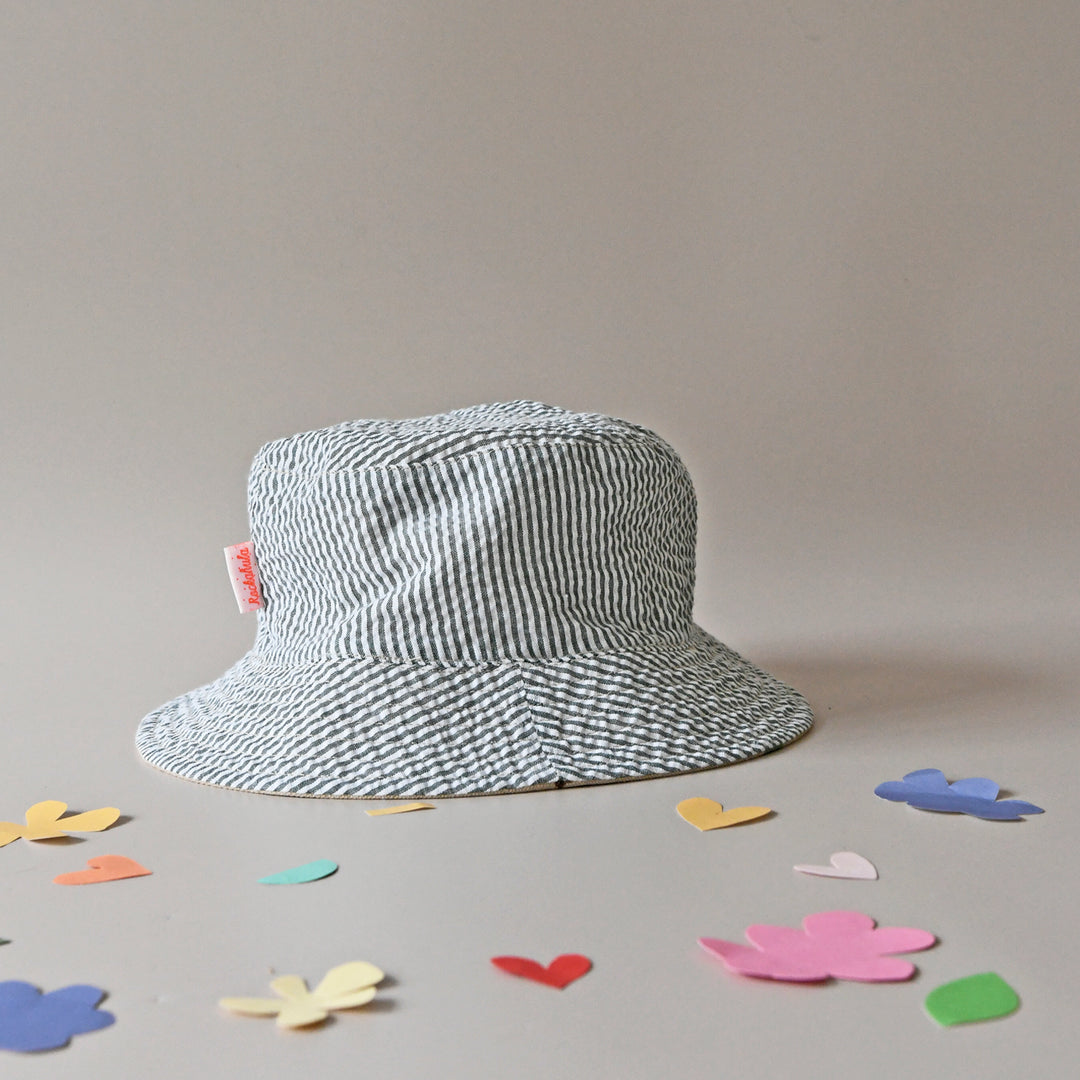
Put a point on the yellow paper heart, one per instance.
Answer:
(706, 814)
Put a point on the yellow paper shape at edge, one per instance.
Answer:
(706, 814)
(399, 809)
(343, 987)
(43, 822)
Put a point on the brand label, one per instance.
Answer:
(244, 574)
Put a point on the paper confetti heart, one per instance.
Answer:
(841, 944)
(103, 868)
(346, 986)
(404, 809)
(560, 973)
(977, 997)
(298, 875)
(43, 822)
(705, 814)
(927, 789)
(31, 1020)
(843, 864)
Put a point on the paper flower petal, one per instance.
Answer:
(17, 995)
(926, 780)
(350, 1000)
(871, 968)
(78, 996)
(1018, 806)
(1005, 810)
(769, 937)
(977, 787)
(91, 821)
(834, 924)
(290, 987)
(900, 939)
(43, 814)
(41, 821)
(348, 978)
(253, 1006)
(746, 960)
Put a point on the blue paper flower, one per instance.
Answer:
(927, 789)
(31, 1020)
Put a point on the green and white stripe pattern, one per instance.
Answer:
(488, 600)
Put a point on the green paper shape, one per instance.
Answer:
(5, 941)
(976, 997)
(311, 871)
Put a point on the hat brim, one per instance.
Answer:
(367, 728)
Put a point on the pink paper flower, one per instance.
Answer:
(840, 944)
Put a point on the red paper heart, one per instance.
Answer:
(562, 971)
(103, 868)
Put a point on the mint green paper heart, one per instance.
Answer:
(311, 871)
(977, 997)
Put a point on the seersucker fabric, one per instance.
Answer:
(490, 600)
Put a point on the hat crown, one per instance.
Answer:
(492, 533)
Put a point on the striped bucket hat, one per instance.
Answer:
(490, 600)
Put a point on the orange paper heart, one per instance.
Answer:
(706, 814)
(103, 868)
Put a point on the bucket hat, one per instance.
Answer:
(490, 600)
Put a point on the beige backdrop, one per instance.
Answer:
(828, 249)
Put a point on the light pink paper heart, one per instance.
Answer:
(845, 864)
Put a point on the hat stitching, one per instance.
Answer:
(548, 748)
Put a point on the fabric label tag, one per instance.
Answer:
(244, 574)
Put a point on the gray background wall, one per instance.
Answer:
(829, 250)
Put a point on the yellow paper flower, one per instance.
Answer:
(343, 987)
(43, 822)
